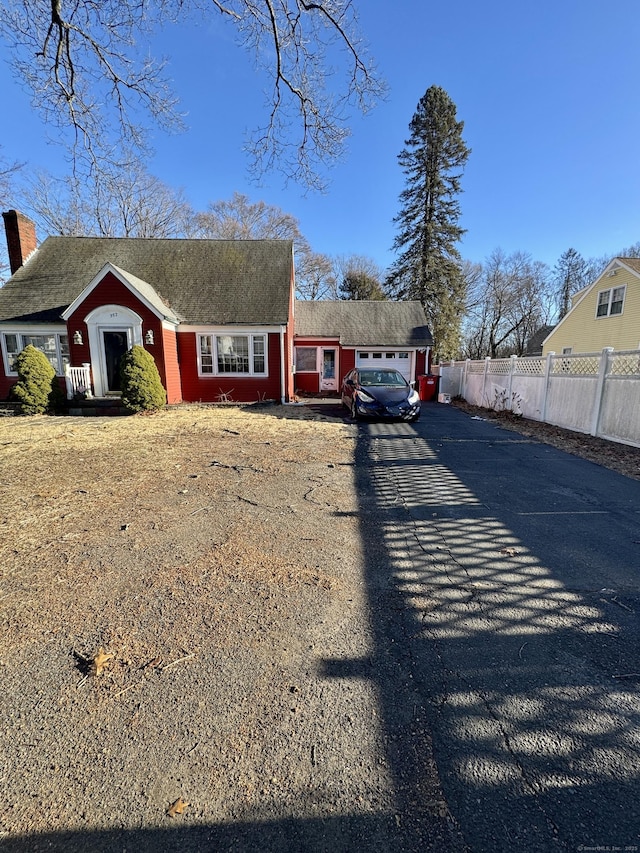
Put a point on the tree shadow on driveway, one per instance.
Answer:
(503, 589)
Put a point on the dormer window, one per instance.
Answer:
(610, 302)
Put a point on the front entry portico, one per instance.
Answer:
(113, 330)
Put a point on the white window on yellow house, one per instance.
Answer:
(610, 302)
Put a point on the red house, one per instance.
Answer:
(217, 315)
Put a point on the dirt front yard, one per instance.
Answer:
(171, 588)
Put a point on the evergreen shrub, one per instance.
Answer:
(37, 389)
(142, 389)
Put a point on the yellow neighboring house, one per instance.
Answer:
(604, 314)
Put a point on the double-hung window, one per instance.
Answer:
(53, 344)
(610, 302)
(233, 354)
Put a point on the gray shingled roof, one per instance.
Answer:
(364, 324)
(208, 282)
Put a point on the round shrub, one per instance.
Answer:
(142, 390)
(37, 389)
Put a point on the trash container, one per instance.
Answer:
(427, 386)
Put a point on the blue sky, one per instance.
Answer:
(548, 91)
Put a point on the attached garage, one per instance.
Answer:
(400, 360)
(358, 334)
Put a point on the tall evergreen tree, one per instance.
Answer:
(571, 274)
(429, 265)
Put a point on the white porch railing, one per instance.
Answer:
(78, 381)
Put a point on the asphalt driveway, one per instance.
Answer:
(503, 586)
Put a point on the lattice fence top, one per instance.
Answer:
(623, 364)
(576, 365)
(500, 366)
(619, 364)
(529, 366)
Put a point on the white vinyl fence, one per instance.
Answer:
(594, 393)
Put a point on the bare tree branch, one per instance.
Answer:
(121, 201)
(85, 64)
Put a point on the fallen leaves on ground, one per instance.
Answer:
(178, 807)
(100, 661)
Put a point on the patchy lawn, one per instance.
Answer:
(201, 552)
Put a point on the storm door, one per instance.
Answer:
(115, 346)
(328, 379)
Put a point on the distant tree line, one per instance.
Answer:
(475, 309)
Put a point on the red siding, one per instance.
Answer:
(111, 291)
(172, 366)
(5, 382)
(309, 381)
(241, 389)
(347, 361)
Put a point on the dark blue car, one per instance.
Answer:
(381, 393)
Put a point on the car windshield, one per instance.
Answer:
(387, 378)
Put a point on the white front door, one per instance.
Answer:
(329, 370)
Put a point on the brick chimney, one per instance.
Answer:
(21, 238)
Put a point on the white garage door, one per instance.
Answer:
(397, 359)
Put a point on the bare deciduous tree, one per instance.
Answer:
(239, 218)
(117, 203)
(359, 277)
(508, 301)
(88, 68)
(8, 173)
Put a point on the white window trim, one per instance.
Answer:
(610, 290)
(30, 331)
(251, 334)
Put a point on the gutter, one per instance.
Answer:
(282, 370)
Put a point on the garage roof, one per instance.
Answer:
(364, 323)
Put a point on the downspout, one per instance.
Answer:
(282, 367)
